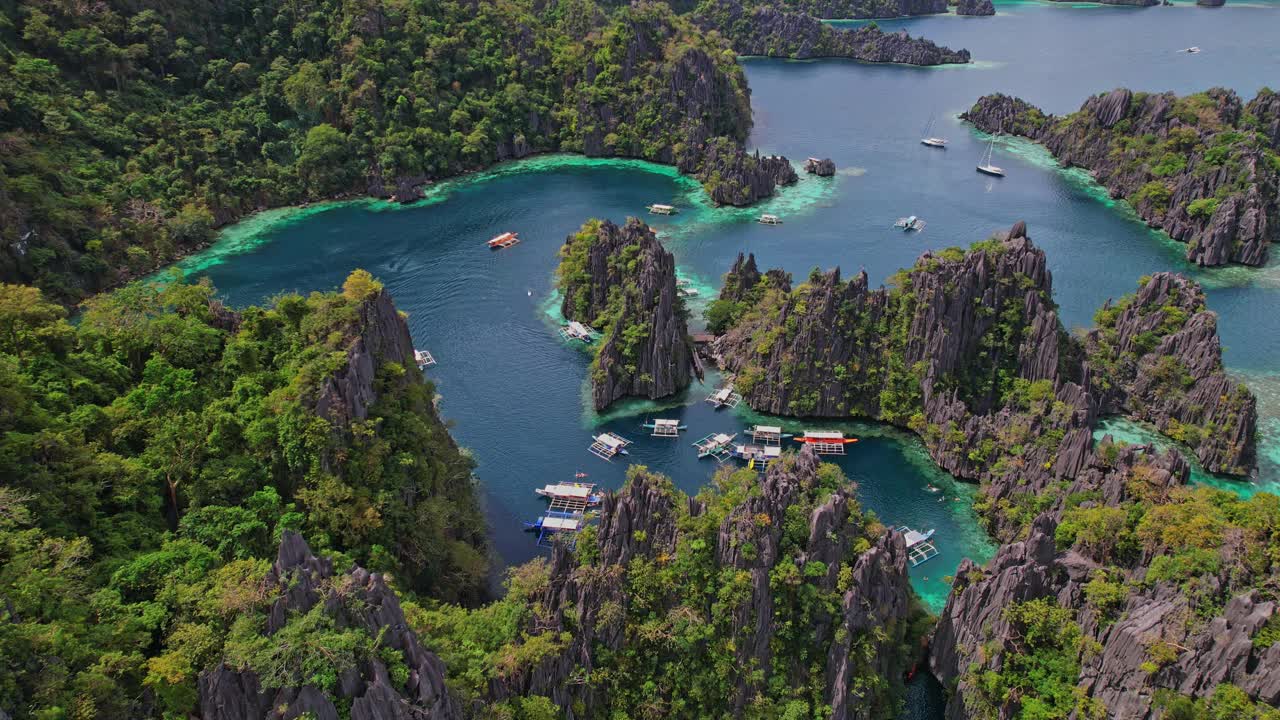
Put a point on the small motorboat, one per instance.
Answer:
(767, 219)
(1192, 50)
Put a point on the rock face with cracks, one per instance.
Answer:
(620, 280)
(862, 636)
(967, 350)
(1204, 168)
(356, 599)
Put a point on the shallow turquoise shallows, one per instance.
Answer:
(515, 392)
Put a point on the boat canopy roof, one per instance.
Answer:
(578, 327)
(611, 440)
(722, 438)
(914, 538)
(824, 434)
(769, 429)
(772, 451)
(555, 523)
(724, 392)
(660, 206)
(577, 490)
(666, 423)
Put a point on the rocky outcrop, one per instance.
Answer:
(865, 636)
(975, 7)
(1179, 385)
(1193, 166)
(356, 599)
(864, 9)
(770, 31)
(968, 351)
(731, 176)
(741, 279)
(973, 634)
(1134, 3)
(623, 282)
(378, 336)
(822, 168)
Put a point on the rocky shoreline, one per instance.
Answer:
(966, 349)
(1204, 168)
(769, 31)
(621, 281)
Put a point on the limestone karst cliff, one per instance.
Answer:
(773, 31)
(248, 686)
(1139, 611)
(621, 281)
(966, 349)
(1204, 168)
(713, 597)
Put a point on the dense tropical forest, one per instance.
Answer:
(130, 131)
(154, 452)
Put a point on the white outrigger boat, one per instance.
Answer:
(768, 219)
(919, 545)
(664, 428)
(582, 492)
(575, 330)
(724, 397)
(606, 446)
(716, 445)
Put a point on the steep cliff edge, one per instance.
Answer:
(621, 281)
(1129, 598)
(759, 593)
(770, 31)
(866, 9)
(975, 7)
(273, 676)
(1204, 167)
(966, 349)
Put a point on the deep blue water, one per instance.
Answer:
(515, 393)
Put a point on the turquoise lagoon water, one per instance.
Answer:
(515, 394)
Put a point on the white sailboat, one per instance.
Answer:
(985, 166)
(931, 140)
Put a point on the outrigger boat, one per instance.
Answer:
(919, 547)
(907, 224)
(423, 358)
(665, 428)
(505, 240)
(715, 445)
(584, 492)
(575, 330)
(768, 434)
(724, 397)
(660, 209)
(606, 446)
(826, 442)
(758, 457)
(555, 523)
(687, 291)
(769, 220)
